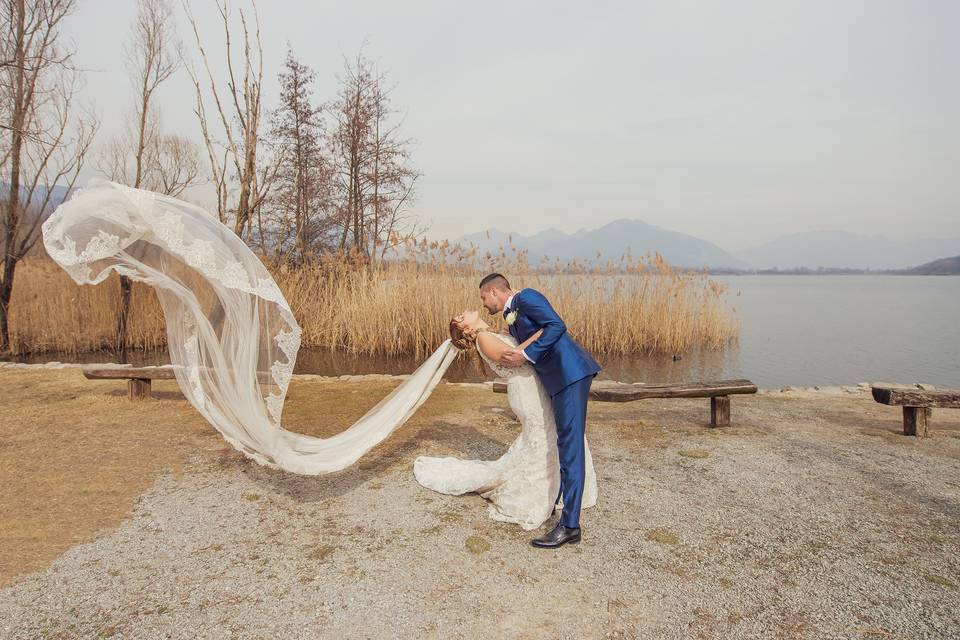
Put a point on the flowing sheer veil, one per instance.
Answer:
(231, 335)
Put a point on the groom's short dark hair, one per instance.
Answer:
(495, 280)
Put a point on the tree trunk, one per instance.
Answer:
(123, 318)
(6, 292)
(12, 214)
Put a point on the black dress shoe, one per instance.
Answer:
(557, 537)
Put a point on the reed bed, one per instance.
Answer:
(403, 307)
(49, 312)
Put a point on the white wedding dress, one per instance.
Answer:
(523, 484)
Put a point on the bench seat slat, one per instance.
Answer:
(607, 391)
(908, 397)
(147, 373)
(128, 373)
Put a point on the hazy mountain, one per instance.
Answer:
(837, 249)
(941, 267)
(57, 195)
(611, 240)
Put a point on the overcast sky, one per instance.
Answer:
(732, 121)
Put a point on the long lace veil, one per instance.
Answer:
(231, 335)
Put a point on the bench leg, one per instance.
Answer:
(139, 388)
(915, 421)
(720, 411)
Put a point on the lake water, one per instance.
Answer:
(807, 330)
(795, 330)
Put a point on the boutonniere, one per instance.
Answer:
(511, 317)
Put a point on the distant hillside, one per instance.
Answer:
(611, 241)
(57, 195)
(941, 267)
(841, 249)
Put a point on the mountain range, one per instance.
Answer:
(809, 250)
(812, 250)
(57, 195)
(611, 241)
(842, 249)
(941, 267)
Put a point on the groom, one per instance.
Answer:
(566, 371)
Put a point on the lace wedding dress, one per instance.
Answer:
(523, 484)
(231, 335)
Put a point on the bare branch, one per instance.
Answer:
(373, 180)
(45, 143)
(240, 127)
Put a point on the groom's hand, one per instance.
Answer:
(512, 358)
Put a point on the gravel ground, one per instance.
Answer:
(811, 517)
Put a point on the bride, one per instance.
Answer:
(523, 485)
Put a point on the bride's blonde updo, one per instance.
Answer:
(463, 339)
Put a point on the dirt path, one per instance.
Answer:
(811, 517)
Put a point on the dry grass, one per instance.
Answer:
(75, 453)
(625, 307)
(49, 312)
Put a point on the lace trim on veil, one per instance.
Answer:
(220, 363)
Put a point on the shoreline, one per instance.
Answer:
(822, 389)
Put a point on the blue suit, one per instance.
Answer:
(566, 371)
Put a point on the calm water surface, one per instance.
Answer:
(806, 330)
(795, 330)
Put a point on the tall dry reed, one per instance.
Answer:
(404, 307)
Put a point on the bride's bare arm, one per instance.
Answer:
(526, 343)
(494, 347)
(491, 346)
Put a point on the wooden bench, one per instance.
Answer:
(719, 393)
(139, 378)
(917, 404)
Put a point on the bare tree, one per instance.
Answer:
(175, 165)
(47, 140)
(135, 158)
(392, 181)
(301, 194)
(171, 163)
(373, 179)
(168, 164)
(238, 110)
(152, 60)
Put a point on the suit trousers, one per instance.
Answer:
(570, 411)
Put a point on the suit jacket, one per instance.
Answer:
(557, 358)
